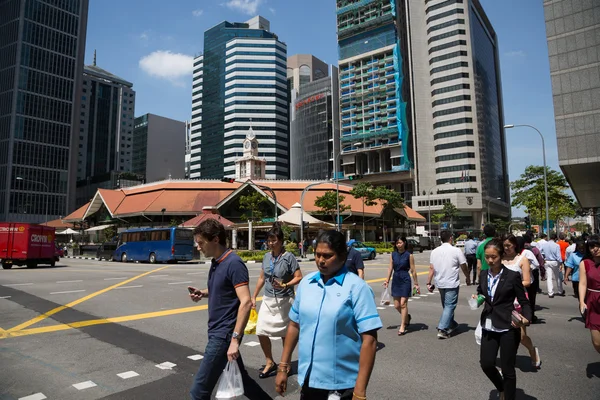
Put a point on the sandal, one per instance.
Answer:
(536, 364)
(267, 374)
(401, 333)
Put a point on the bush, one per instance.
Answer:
(380, 246)
(462, 237)
(292, 248)
(252, 255)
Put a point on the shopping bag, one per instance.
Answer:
(251, 325)
(230, 383)
(478, 332)
(385, 297)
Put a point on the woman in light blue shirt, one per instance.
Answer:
(572, 264)
(334, 320)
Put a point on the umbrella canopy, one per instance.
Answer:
(292, 217)
(68, 231)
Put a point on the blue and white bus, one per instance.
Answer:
(155, 245)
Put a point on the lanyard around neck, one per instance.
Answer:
(492, 284)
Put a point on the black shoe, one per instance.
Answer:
(551, 296)
(267, 374)
(562, 294)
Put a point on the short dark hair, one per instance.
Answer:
(561, 236)
(489, 230)
(210, 228)
(336, 241)
(445, 236)
(528, 238)
(497, 244)
(543, 236)
(512, 239)
(520, 244)
(276, 231)
(554, 237)
(403, 238)
(592, 241)
(470, 236)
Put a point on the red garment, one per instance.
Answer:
(563, 249)
(592, 273)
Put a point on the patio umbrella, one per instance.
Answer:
(292, 217)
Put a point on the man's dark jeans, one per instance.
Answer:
(211, 368)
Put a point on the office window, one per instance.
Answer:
(446, 146)
(453, 122)
(452, 111)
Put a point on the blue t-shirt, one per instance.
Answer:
(573, 262)
(332, 316)
(354, 262)
(226, 274)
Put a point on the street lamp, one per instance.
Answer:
(19, 178)
(429, 204)
(510, 126)
(302, 213)
(488, 208)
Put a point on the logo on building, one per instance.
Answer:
(309, 100)
(470, 200)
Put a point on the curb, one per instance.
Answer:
(81, 257)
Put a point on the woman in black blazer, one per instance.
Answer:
(501, 286)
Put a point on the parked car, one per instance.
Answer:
(367, 253)
(106, 251)
(413, 246)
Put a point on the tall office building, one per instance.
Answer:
(239, 82)
(573, 32)
(305, 68)
(159, 146)
(106, 132)
(42, 48)
(315, 129)
(421, 94)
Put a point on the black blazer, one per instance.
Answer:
(509, 287)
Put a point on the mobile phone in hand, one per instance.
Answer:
(516, 318)
(195, 291)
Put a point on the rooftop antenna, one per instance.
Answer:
(94, 57)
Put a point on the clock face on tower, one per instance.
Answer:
(254, 145)
(247, 145)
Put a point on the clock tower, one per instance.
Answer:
(250, 165)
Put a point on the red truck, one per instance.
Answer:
(27, 244)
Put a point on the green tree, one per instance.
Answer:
(109, 233)
(251, 205)
(450, 212)
(437, 218)
(389, 199)
(501, 225)
(582, 227)
(528, 193)
(363, 191)
(328, 203)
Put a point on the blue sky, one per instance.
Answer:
(151, 42)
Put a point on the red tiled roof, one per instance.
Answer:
(199, 218)
(112, 198)
(58, 223)
(77, 215)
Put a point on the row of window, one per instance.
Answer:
(447, 56)
(442, 5)
(449, 66)
(450, 111)
(256, 111)
(51, 16)
(255, 78)
(452, 88)
(449, 100)
(262, 46)
(459, 21)
(71, 6)
(252, 94)
(446, 35)
(44, 107)
(448, 45)
(433, 202)
(47, 61)
(278, 63)
(42, 131)
(455, 168)
(454, 145)
(37, 203)
(50, 39)
(41, 155)
(451, 122)
(462, 179)
(445, 135)
(49, 85)
(449, 78)
(257, 53)
(445, 14)
(451, 157)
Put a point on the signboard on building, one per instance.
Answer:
(309, 100)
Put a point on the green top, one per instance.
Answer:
(481, 254)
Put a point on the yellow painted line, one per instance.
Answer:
(79, 301)
(2, 333)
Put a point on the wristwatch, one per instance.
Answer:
(237, 336)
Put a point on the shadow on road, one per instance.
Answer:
(380, 346)
(462, 328)
(523, 363)
(520, 395)
(593, 370)
(580, 319)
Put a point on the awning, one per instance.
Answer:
(98, 228)
(410, 214)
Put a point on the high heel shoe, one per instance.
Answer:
(269, 372)
(537, 363)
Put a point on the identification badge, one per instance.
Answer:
(334, 395)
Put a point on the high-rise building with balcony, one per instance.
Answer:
(239, 82)
(421, 104)
(42, 46)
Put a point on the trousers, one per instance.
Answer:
(508, 344)
(553, 274)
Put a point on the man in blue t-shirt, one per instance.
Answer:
(229, 306)
(354, 261)
(572, 266)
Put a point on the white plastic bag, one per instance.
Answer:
(478, 332)
(385, 297)
(230, 384)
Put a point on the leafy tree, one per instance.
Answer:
(109, 233)
(450, 212)
(582, 227)
(363, 191)
(437, 218)
(389, 199)
(287, 232)
(528, 192)
(501, 225)
(328, 203)
(251, 205)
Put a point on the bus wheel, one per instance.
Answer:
(152, 258)
(124, 257)
(6, 265)
(53, 263)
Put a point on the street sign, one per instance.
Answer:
(268, 220)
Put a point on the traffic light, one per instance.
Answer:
(305, 224)
(228, 180)
(527, 221)
(354, 177)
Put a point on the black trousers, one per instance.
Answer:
(532, 290)
(322, 394)
(576, 289)
(508, 344)
(472, 266)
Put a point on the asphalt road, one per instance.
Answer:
(100, 330)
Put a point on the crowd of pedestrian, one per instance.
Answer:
(332, 316)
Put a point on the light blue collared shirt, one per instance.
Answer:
(332, 316)
(551, 251)
(470, 247)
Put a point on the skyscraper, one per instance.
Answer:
(421, 104)
(42, 48)
(573, 32)
(305, 68)
(239, 82)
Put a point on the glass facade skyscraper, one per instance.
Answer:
(42, 47)
(239, 82)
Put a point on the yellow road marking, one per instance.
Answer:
(2, 333)
(79, 301)
(14, 332)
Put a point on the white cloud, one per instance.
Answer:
(515, 53)
(272, 10)
(167, 65)
(249, 7)
(197, 13)
(144, 35)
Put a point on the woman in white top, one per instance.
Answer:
(515, 260)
